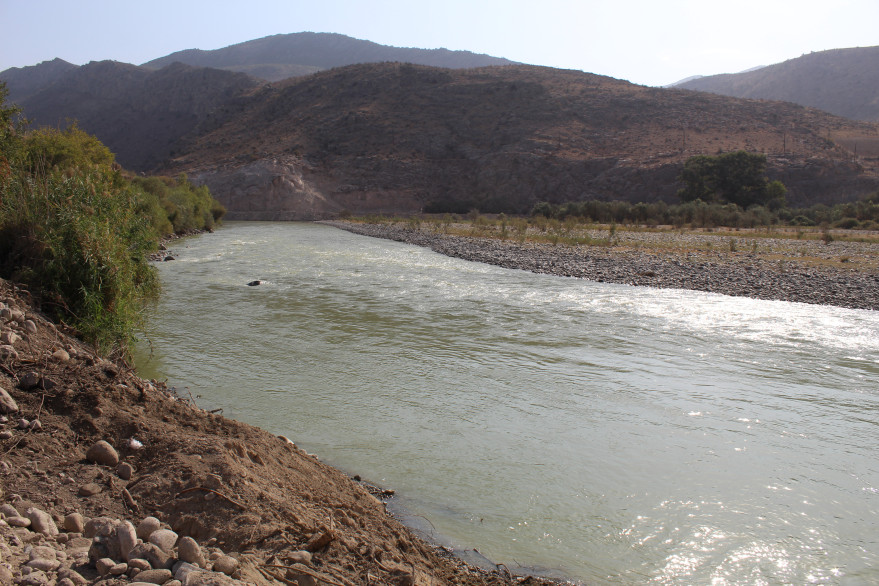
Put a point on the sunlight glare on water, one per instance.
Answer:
(609, 433)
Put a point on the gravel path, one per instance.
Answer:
(743, 274)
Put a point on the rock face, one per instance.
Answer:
(270, 189)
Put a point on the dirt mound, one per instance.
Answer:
(234, 488)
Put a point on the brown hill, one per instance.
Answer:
(842, 81)
(394, 137)
(137, 112)
(279, 57)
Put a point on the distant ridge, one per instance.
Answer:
(23, 82)
(279, 57)
(844, 82)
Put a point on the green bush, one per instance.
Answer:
(80, 240)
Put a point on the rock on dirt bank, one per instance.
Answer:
(741, 274)
(106, 478)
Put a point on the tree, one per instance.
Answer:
(738, 177)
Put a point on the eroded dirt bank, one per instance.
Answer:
(806, 271)
(258, 509)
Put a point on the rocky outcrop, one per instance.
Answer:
(287, 188)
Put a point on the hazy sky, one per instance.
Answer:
(652, 42)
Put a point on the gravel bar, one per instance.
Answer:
(741, 274)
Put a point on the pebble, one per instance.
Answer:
(164, 539)
(8, 352)
(30, 380)
(41, 522)
(18, 521)
(7, 403)
(159, 576)
(102, 453)
(127, 537)
(300, 557)
(188, 550)
(74, 523)
(104, 565)
(30, 326)
(225, 564)
(147, 527)
(61, 356)
(9, 338)
(90, 489)
(8, 510)
(124, 470)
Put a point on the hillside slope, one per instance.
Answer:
(137, 112)
(387, 137)
(841, 81)
(278, 57)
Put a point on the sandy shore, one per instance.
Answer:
(840, 273)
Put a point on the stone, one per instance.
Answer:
(225, 564)
(9, 511)
(99, 526)
(188, 550)
(61, 356)
(18, 521)
(30, 380)
(139, 564)
(164, 538)
(41, 522)
(74, 523)
(209, 579)
(300, 557)
(90, 489)
(7, 403)
(43, 552)
(147, 527)
(127, 536)
(182, 569)
(72, 575)
(45, 565)
(153, 554)
(30, 326)
(124, 470)
(66, 582)
(9, 338)
(103, 566)
(119, 569)
(5, 435)
(8, 352)
(102, 453)
(159, 576)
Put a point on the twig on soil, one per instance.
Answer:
(303, 570)
(206, 489)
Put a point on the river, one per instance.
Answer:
(609, 433)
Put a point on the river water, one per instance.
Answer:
(612, 434)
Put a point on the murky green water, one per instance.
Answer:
(616, 434)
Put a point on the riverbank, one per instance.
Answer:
(92, 457)
(839, 273)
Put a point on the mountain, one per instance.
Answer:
(137, 112)
(23, 82)
(278, 57)
(395, 137)
(844, 82)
